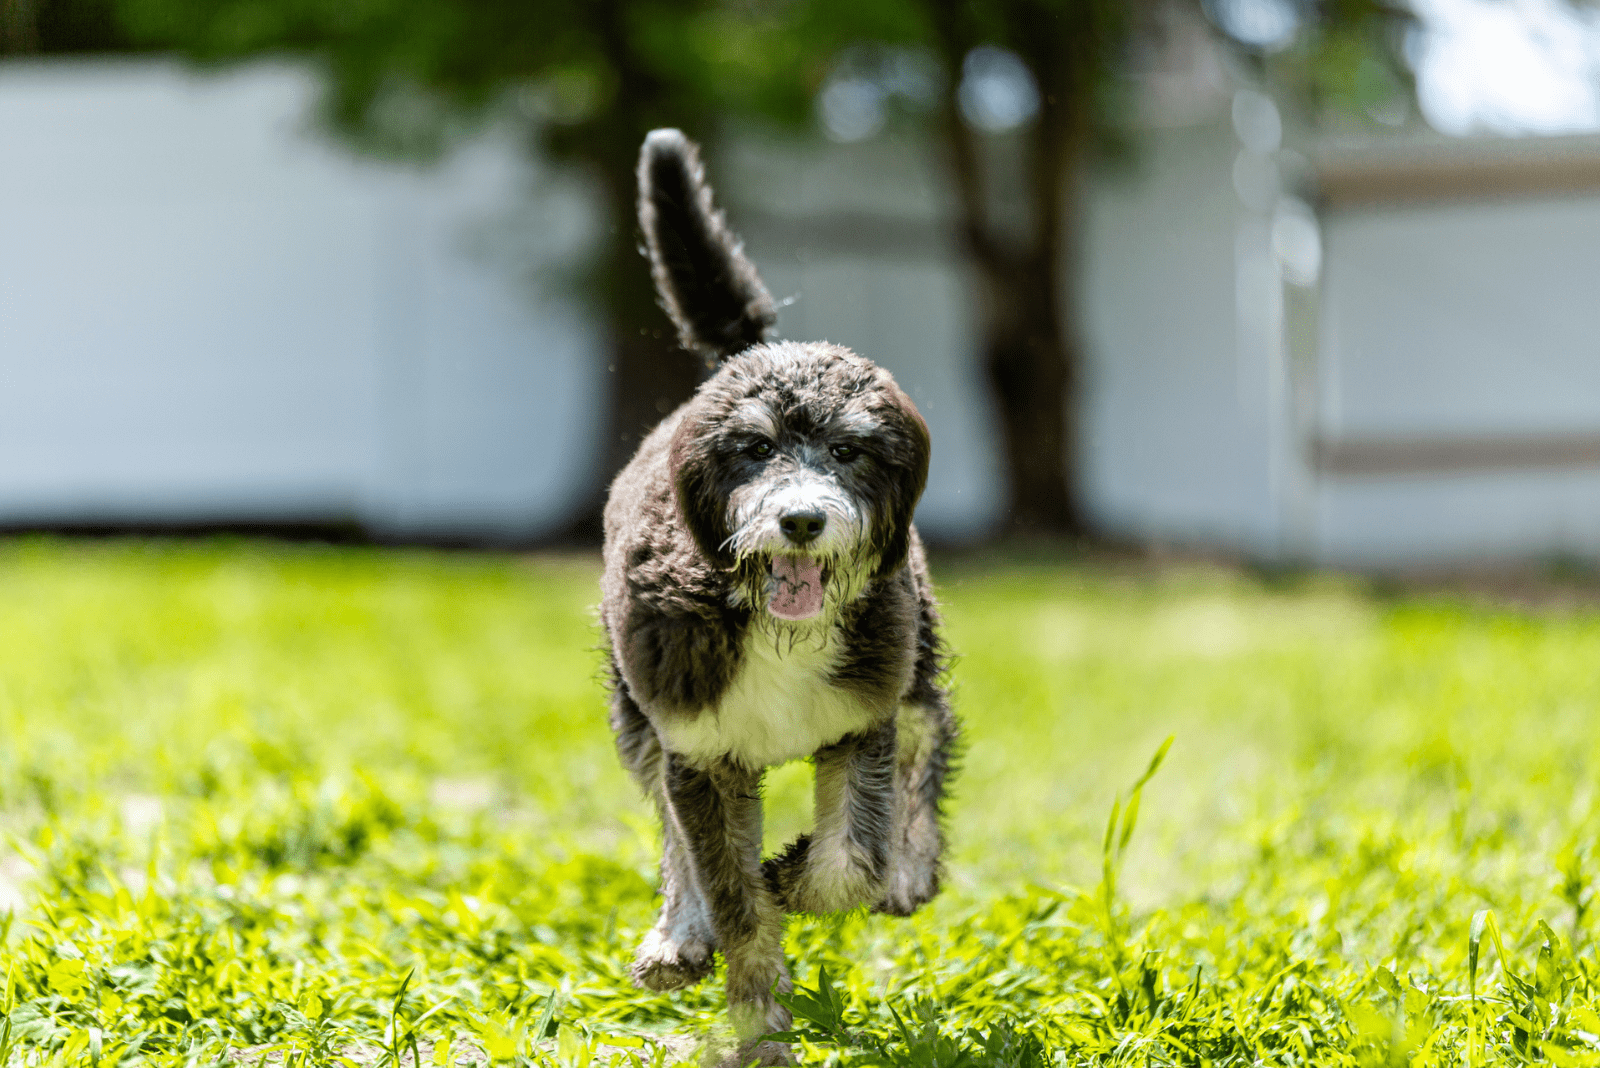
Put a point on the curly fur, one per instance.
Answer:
(710, 684)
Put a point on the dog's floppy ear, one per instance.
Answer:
(899, 502)
(702, 502)
(705, 283)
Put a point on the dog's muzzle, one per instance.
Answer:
(805, 526)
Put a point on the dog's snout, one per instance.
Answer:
(802, 527)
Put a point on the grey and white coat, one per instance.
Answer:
(766, 599)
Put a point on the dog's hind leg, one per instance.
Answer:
(843, 862)
(927, 736)
(718, 812)
(677, 951)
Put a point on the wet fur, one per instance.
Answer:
(708, 687)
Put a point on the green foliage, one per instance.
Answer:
(358, 807)
(406, 75)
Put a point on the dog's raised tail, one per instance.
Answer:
(705, 283)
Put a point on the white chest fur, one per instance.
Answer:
(780, 706)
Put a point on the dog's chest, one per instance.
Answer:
(779, 706)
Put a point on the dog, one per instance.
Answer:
(766, 598)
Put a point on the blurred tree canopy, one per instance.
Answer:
(592, 76)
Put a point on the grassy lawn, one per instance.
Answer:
(330, 801)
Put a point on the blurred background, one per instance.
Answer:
(1305, 281)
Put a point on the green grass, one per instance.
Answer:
(331, 802)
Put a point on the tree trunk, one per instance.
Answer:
(19, 27)
(647, 373)
(1030, 369)
(1028, 345)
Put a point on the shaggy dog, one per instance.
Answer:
(765, 599)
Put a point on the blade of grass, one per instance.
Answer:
(542, 1031)
(1480, 920)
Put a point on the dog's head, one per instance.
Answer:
(799, 466)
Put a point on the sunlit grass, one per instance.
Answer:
(247, 790)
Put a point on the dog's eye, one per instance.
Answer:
(760, 450)
(845, 452)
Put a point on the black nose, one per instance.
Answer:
(801, 527)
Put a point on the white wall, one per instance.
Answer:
(208, 313)
(1442, 321)
(1461, 320)
(1178, 422)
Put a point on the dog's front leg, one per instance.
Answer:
(843, 862)
(719, 812)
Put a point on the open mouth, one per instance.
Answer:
(796, 587)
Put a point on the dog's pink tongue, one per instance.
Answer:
(799, 592)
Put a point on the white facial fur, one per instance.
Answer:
(756, 509)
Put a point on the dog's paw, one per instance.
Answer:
(663, 963)
(907, 892)
(895, 905)
(758, 1053)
